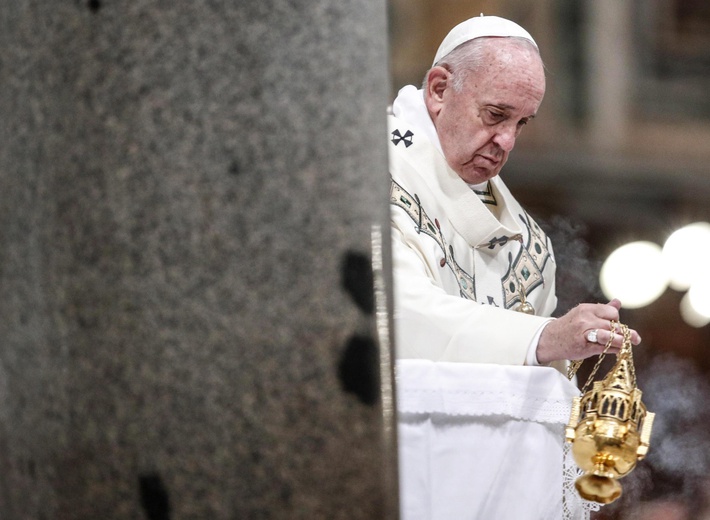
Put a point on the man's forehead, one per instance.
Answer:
(515, 95)
(509, 67)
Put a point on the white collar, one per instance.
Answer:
(410, 107)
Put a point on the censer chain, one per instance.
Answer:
(574, 365)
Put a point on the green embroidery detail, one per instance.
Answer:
(527, 267)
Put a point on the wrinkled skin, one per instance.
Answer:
(566, 337)
(478, 125)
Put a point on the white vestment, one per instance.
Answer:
(481, 435)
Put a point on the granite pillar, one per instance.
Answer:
(189, 192)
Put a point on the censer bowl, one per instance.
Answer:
(606, 450)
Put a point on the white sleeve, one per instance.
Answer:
(531, 358)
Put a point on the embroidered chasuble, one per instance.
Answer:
(481, 434)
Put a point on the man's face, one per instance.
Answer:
(477, 126)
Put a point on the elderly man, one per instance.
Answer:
(481, 393)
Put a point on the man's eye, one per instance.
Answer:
(495, 116)
(522, 122)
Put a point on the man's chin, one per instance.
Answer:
(477, 174)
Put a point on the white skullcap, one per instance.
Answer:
(480, 27)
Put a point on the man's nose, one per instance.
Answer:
(505, 137)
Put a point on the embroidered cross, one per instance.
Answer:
(407, 138)
(495, 241)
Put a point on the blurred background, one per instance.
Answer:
(614, 164)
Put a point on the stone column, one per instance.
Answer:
(608, 51)
(188, 192)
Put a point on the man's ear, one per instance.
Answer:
(438, 80)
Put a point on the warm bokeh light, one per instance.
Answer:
(635, 274)
(638, 272)
(699, 296)
(690, 315)
(686, 253)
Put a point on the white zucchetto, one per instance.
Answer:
(480, 27)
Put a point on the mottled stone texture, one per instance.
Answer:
(187, 190)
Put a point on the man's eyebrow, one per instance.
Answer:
(503, 106)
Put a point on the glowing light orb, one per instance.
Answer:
(690, 315)
(635, 274)
(699, 296)
(686, 253)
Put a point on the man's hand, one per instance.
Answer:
(568, 337)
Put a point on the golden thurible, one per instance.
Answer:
(609, 429)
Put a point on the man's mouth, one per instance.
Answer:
(484, 161)
(493, 161)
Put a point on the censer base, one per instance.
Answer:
(603, 490)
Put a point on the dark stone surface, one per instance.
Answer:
(179, 184)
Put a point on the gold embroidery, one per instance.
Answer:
(525, 270)
(424, 224)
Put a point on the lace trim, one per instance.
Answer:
(539, 394)
(574, 507)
